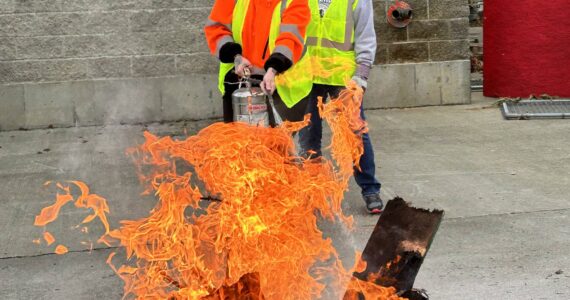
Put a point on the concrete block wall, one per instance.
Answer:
(439, 31)
(425, 63)
(92, 62)
(62, 40)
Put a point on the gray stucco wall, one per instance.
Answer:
(92, 62)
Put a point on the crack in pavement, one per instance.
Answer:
(51, 253)
(512, 213)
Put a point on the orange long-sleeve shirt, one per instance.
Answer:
(255, 34)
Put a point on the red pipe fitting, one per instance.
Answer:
(399, 14)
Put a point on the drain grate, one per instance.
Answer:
(536, 109)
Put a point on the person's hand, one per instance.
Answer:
(268, 83)
(242, 66)
(361, 82)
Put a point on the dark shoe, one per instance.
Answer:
(374, 203)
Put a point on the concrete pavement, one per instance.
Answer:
(504, 186)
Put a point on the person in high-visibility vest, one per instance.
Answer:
(341, 45)
(261, 37)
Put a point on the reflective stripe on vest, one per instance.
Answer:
(330, 42)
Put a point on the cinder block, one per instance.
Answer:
(83, 46)
(106, 22)
(420, 8)
(452, 29)
(97, 45)
(115, 44)
(142, 43)
(80, 23)
(19, 71)
(381, 54)
(62, 70)
(186, 41)
(87, 5)
(48, 104)
(26, 6)
(109, 67)
(7, 6)
(379, 9)
(151, 21)
(129, 4)
(12, 115)
(57, 24)
(158, 4)
(408, 52)
(203, 3)
(391, 86)
(132, 4)
(42, 70)
(16, 25)
(169, 20)
(456, 82)
(422, 30)
(387, 33)
(459, 28)
(7, 48)
(39, 47)
(127, 101)
(447, 9)
(199, 63)
(191, 97)
(98, 5)
(427, 85)
(449, 50)
(159, 65)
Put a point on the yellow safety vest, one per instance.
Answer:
(291, 87)
(330, 42)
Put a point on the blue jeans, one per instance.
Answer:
(310, 140)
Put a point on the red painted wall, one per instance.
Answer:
(526, 48)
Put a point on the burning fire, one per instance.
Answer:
(254, 220)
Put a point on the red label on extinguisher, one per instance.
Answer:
(257, 107)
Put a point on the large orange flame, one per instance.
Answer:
(260, 218)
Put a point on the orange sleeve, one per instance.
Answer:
(291, 39)
(218, 27)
